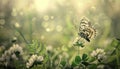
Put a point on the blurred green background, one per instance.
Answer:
(55, 23)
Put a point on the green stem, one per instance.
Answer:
(78, 50)
(22, 36)
(30, 31)
(117, 58)
(117, 54)
(115, 48)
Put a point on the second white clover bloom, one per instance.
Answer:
(98, 54)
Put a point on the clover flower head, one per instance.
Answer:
(98, 54)
(33, 59)
(40, 58)
(11, 53)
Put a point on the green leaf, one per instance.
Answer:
(92, 59)
(63, 63)
(85, 63)
(92, 66)
(77, 59)
(84, 57)
(78, 43)
(74, 64)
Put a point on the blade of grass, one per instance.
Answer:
(22, 36)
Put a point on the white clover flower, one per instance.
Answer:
(10, 53)
(98, 54)
(29, 63)
(14, 57)
(40, 58)
(34, 56)
(16, 48)
(33, 59)
(49, 48)
(93, 53)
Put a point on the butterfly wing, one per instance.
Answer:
(86, 31)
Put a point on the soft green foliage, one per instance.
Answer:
(35, 47)
(63, 63)
(77, 59)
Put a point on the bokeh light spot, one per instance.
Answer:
(46, 17)
(48, 29)
(59, 28)
(14, 12)
(52, 17)
(45, 24)
(17, 25)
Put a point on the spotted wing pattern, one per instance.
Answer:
(86, 31)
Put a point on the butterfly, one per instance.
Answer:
(86, 31)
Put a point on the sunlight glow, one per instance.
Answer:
(42, 5)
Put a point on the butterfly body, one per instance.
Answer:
(85, 36)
